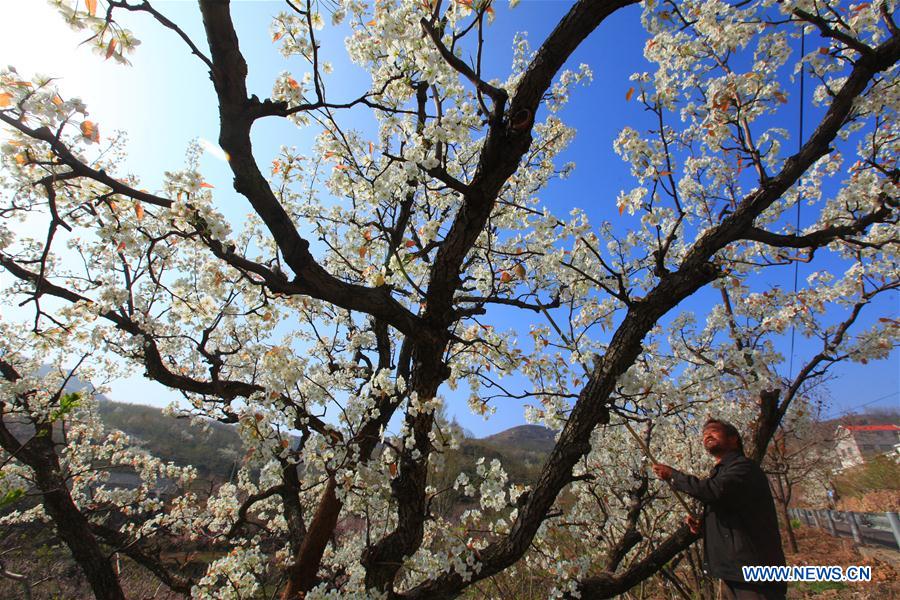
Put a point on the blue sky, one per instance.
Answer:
(166, 99)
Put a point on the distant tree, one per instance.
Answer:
(368, 275)
(801, 457)
(871, 416)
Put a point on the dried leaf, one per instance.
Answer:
(90, 130)
(5, 99)
(111, 48)
(120, 247)
(206, 185)
(139, 210)
(91, 6)
(621, 209)
(780, 97)
(293, 83)
(277, 36)
(393, 469)
(57, 100)
(629, 94)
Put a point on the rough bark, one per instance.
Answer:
(71, 525)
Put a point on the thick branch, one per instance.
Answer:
(236, 117)
(78, 167)
(821, 237)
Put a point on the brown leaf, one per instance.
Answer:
(91, 6)
(5, 99)
(139, 210)
(111, 48)
(629, 94)
(90, 130)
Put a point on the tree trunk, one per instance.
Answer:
(782, 496)
(791, 537)
(302, 575)
(73, 528)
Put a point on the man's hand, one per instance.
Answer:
(693, 524)
(664, 472)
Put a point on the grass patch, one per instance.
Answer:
(817, 587)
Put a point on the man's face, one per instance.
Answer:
(715, 440)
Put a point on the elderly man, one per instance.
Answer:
(739, 524)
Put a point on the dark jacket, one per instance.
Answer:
(740, 527)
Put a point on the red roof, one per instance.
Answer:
(872, 427)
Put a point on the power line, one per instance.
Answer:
(799, 197)
(870, 402)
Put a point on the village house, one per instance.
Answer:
(858, 443)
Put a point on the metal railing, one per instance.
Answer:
(881, 529)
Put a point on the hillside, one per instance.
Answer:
(215, 449)
(532, 438)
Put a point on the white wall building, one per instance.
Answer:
(857, 443)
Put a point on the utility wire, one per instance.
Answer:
(837, 412)
(799, 197)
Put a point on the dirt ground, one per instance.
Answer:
(819, 548)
